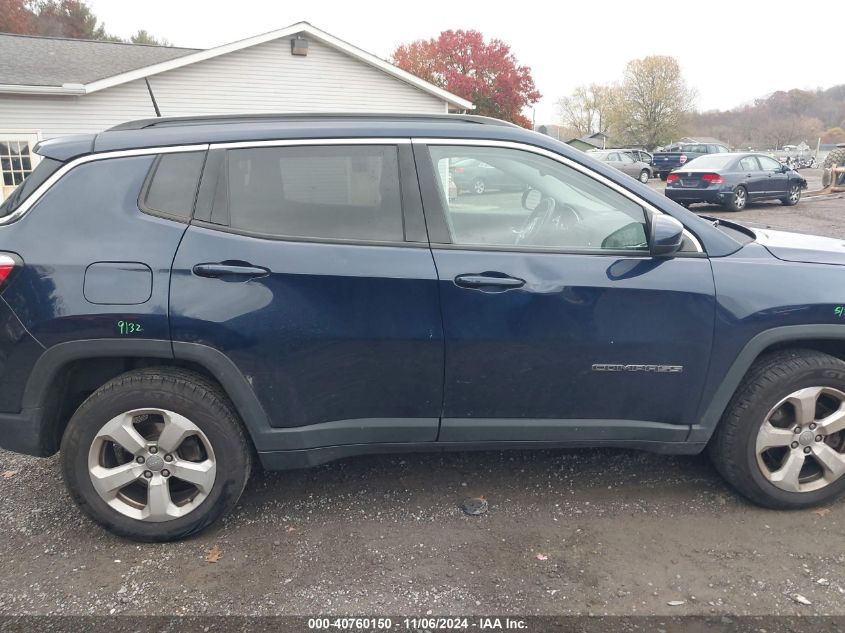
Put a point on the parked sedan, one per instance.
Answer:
(624, 162)
(478, 177)
(734, 180)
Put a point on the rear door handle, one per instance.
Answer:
(227, 269)
(484, 280)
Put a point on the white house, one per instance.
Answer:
(53, 86)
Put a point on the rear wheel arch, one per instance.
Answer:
(66, 374)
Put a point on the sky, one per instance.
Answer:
(729, 52)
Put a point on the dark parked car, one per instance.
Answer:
(734, 180)
(624, 162)
(680, 154)
(475, 176)
(182, 297)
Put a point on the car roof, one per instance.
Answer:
(162, 132)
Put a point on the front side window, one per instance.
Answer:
(545, 204)
(768, 164)
(336, 192)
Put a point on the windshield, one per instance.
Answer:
(711, 161)
(42, 172)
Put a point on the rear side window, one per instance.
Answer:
(335, 192)
(172, 184)
(46, 168)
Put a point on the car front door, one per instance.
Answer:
(559, 325)
(776, 180)
(307, 268)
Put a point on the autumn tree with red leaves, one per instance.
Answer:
(486, 73)
(61, 18)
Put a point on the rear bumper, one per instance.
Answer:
(713, 196)
(22, 433)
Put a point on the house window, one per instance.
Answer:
(16, 160)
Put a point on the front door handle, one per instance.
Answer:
(491, 280)
(230, 269)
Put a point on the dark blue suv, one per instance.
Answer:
(182, 297)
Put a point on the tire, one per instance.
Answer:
(793, 195)
(739, 200)
(644, 176)
(734, 446)
(479, 186)
(210, 447)
(835, 158)
(664, 175)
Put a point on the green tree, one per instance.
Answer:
(144, 37)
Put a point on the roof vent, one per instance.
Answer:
(299, 46)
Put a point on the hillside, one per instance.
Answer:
(781, 118)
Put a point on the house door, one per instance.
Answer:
(16, 159)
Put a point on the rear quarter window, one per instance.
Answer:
(171, 186)
(46, 168)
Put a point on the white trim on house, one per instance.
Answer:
(294, 29)
(65, 89)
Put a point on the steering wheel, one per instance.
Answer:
(538, 218)
(547, 214)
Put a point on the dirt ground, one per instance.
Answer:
(567, 532)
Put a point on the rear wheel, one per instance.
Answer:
(664, 175)
(781, 442)
(644, 176)
(738, 200)
(793, 195)
(156, 455)
(479, 186)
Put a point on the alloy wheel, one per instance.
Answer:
(800, 444)
(740, 198)
(152, 465)
(479, 186)
(794, 194)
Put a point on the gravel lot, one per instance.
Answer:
(618, 533)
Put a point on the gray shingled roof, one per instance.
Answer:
(50, 61)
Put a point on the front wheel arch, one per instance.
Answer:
(827, 338)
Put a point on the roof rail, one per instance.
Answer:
(142, 124)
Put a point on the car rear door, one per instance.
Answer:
(307, 267)
(752, 177)
(559, 326)
(776, 181)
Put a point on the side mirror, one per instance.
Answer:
(666, 236)
(530, 199)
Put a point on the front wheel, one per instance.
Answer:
(644, 176)
(738, 200)
(781, 442)
(156, 455)
(793, 195)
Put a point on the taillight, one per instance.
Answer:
(713, 179)
(672, 178)
(457, 170)
(683, 158)
(9, 264)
